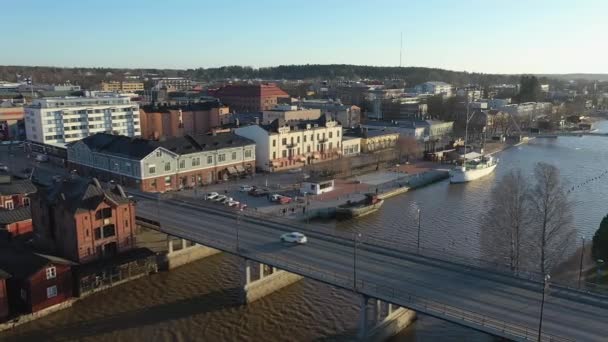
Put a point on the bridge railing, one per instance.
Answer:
(409, 247)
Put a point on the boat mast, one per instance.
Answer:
(466, 130)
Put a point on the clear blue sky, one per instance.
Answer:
(498, 36)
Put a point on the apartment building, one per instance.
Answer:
(159, 166)
(80, 220)
(289, 113)
(60, 120)
(250, 97)
(283, 145)
(435, 88)
(373, 140)
(173, 83)
(12, 126)
(348, 116)
(170, 121)
(122, 86)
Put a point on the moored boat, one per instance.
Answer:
(473, 170)
(353, 209)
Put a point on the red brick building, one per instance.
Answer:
(14, 192)
(17, 222)
(250, 97)
(4, 308)
(36, 281)
(83, 222)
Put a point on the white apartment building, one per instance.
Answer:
(435, 88)
(283, 145)
(60, 120)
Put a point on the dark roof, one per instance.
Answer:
(137, 148)
(366, 132)
(21, 263)
(295, 124)
(83, 194)
(15, 215)
(195, 106)
(10, 186)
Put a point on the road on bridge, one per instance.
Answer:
(482, 300)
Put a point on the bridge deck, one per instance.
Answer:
(499, 304)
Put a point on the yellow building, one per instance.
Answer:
(373, 139)
(127, 87)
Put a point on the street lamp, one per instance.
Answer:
(600, 263)
(542, 305)
(580, 267)
(418, 241)
(356, 236)
(237, 230)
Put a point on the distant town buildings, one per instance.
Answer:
(283, 145)
(159, 166)
(174, 83)
(12, 125)
(289, 113)
(373, 140)
(351, 146)
(122, 86)
(250, 97)
(347, 115)
(60, 120)
(83, 222)
(169, 121)
(435, 88)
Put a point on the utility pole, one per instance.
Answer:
(580, 268)
(418, 241)
(542, 306)
(356, 236)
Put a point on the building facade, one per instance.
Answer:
(289, 113)
(60, 120)
(12, 125)
(373, 140)
(83, 222)
(159, 166)
(351, 146)
(435, 88)
(283, 145)
(348, 116)
(173, 83)
(122, 86)
(180, 120)
(250, 98)
(14, 193)
(17, 222)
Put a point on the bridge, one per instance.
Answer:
(388, 278)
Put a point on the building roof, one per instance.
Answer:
(10, 186)
(296, 124)
(138, 148)
(21, 263)
(366, 132)
(196, 106)
(15, 215)
(84, 194)
(250, 90)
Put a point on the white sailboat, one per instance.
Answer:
(473, 169)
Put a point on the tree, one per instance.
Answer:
(408, 147)
(507, 217)
(529, 90)
(600, 241)
(550, 217)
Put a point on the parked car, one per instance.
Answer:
(232, 203)
(285, 200)
(296, 170)
(3, 167)
(258, 192)
(275, 197)
(219, 198)
(226, 199)
(211, 195)
(294, 237)
(246, 188)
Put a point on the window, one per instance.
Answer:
(9, 205)
(167, 181)
(167, 166)
(338, 133)
(284, 142)
(152, 169)
(26, 202)
(209, 159)
(274, 155)
(247, 153)
(51, 272)
(103, 213)
(330, 134)
(159, 153)
(298, 141)
(182, 164)
(196, 161)
(304, 137)
(233, 155)
(274, 143)
(308, 149)
(51, 291)
(284, 153)
(97, 232)
(221, 157)
(23, 294)
(330, 145)
(108, 231)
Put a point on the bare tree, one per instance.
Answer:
(550, 217)
(408, 147)
(507, 217)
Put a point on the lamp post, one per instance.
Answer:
(600, 263)
(418, 241)
(580, 267)
(356, 236)
(237, 230)
(542, 306)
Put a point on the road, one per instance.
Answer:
(469, 296)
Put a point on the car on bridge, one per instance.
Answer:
(294, 237)
(211, 195)
(219, 198)
(246, 188)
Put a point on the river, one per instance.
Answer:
(199, 301)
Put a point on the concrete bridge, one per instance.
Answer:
(392, 282)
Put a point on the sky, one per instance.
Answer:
(491, 36)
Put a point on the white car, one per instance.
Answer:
(294, 237)
(297, 170)
(219, 198)
(246, 188)
(232, 203)
(226, 200)
(211, 195)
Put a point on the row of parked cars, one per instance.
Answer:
(261, 192)
(225, 200)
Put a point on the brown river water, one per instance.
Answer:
(199, 301)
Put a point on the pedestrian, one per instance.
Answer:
(303, 210)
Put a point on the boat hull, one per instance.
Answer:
(459, 176)
(348, 213)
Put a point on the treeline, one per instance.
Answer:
(413, 75)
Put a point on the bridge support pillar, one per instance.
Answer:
(384, 323)
(269, 279)
(181, 252)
